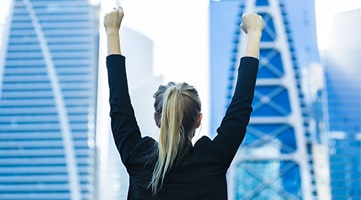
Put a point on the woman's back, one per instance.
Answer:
(199, 174)
(200, 168)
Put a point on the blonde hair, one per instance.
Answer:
(177, 107)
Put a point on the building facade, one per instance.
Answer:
(48, 101)
(343, 105)
(275, 160)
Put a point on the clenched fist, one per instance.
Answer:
(252, 22)
(113, 19)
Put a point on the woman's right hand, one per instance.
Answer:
(113, 19)
(252, 22)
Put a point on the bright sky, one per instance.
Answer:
(178, 30)
(325, 11)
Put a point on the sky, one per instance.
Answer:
(325, 11)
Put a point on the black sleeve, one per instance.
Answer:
(233, 126)
(123, 123)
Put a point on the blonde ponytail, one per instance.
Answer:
(180, 106)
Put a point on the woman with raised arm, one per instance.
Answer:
(172, 168)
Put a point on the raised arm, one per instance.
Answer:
(233, 127)
(112, 22)
(252, 25)
(123, 122)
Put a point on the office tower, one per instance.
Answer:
(48, 101)
(343, 93)
(275, 158)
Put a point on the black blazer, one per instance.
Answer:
(201, 173)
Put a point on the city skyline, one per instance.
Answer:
(173, 37)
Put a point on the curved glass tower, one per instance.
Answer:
(47, 101)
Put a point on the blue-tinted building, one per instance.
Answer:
(275, 160)
(48, 101)
(343, 96)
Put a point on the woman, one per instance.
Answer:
(173, 168)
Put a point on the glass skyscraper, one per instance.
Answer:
(275, 160)
(48, 101)
(343, 96)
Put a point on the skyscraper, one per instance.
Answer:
(343, 93)
(275, 159)
(48, 101)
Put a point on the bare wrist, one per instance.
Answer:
(112, 32)
(254, 33)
